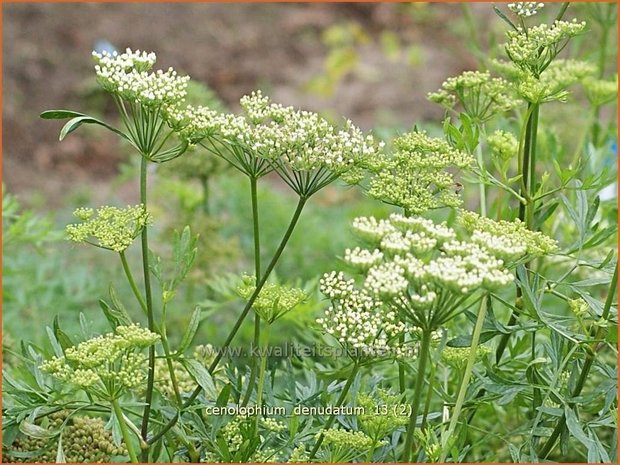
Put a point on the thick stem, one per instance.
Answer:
(401, 370)
(548, 447)
(460, 399)
(118, 412)
(429, 395)
(149, 311)
(415, 404)
(332, 417)
(244, 313)
(257, 273)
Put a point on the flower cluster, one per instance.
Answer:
(418, 273)
(381, 416)
(109, 227)
(84, 440)
(305, 149)
(525, 9)
(503, 144)
(532, 50)
(600, 91)
(416, 176)
(356, 319)
(163, 382)
(112, 359)
(457, 357)
(480, 95)
(343, 446)
(553, 82)
(509, 240)
(273, 301)
(127, 75)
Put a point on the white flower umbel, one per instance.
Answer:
(306, 150)
(420, 273)
(128, 76)
(525, 9)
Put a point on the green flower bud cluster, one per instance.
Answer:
(480, 95)
(381, 416)
(430, 443)
(525, 9)
(503, 145)
(112, 359)
(163, 383)
(267, 455)
(457, 357)
(600, 91)
(553, 82)
(417, 177)
(271, 424)
(299, 455)
(84, 440)
(509, 240)
(533, 49)
(111, 228)
(418, 272)
(343, 446)
(127, 75)
(273, 301)
(579, 307)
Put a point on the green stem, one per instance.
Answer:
(149, 308)
(339, 402)
(401, 369)
(429, 395)
(124, 431)
(527, 170)
(132, 283)
(585, 371)
(415, 404)
(257, 273)
(482, 185)
(261, 373)
(475, 339)
(220, 353)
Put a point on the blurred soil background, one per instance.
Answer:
(372, 63)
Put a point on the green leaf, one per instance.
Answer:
(184, 254)
(63, 339)
(58, 352)
(222, 399)
(35, 431)
(75, 123)
(572, 422)
(60, 114)
(201, 375)
(188, 337)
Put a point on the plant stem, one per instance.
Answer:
(482, 185)
(261, 373)
(339, 402)
(124, 431)
(132, 283)
(149, 311)
(585, 370)
(527, 170)
(257, 273)
(460, 399)
(220, 353)
(415, 404)
(429, 395)
(401, 370)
